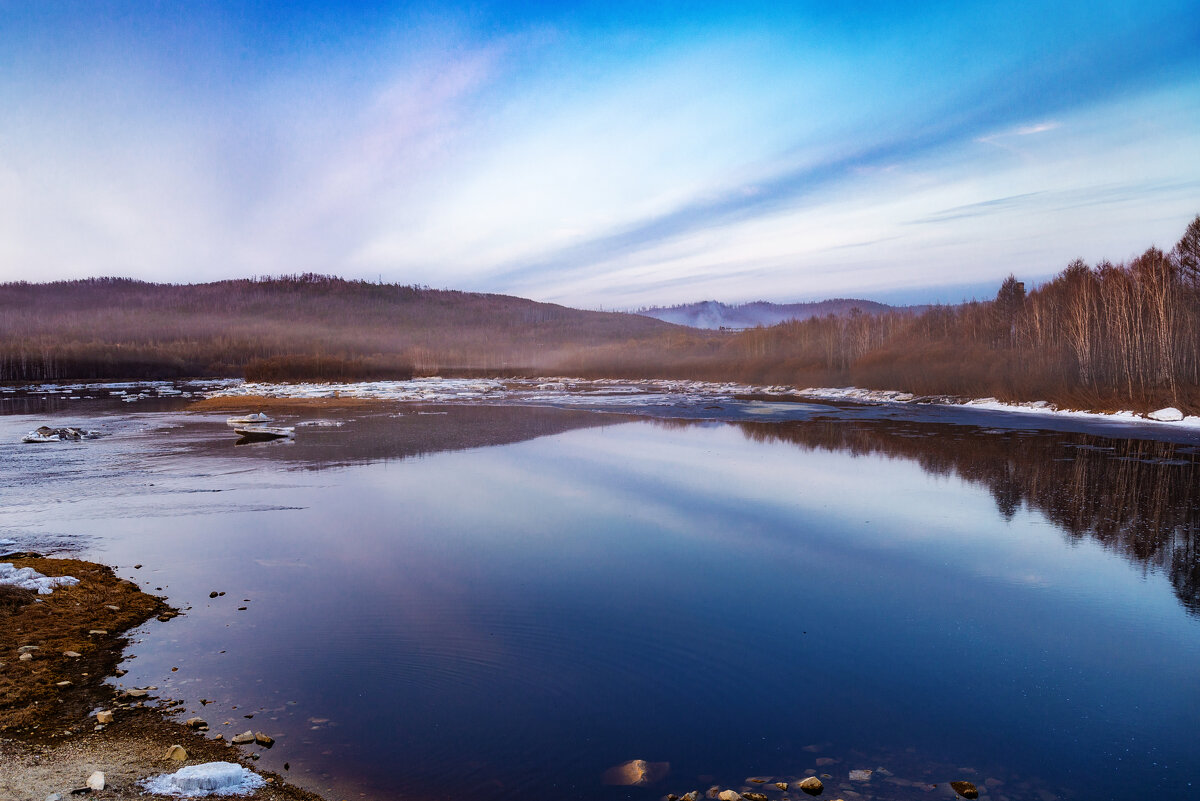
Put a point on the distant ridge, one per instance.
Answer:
(712, 314)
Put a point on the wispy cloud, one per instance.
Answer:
(597, 158)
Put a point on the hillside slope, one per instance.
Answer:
(315, 326)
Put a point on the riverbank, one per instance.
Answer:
(56, 653)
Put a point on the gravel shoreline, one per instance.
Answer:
(56, 652)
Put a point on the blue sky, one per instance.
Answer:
(601, 155)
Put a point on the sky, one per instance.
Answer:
(601, 155)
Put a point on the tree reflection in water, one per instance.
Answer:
(1139, 498)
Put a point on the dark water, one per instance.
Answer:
(503, 602)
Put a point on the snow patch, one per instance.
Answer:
(29, 579)
(208, 779)
(1169, 416)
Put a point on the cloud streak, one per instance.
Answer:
(595, 155)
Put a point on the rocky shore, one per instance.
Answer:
(64, 731)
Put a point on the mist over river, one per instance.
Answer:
(503, 597)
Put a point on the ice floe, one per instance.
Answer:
(255, 417)
(207, 779)
(29, 579)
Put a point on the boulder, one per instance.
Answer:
(812, 785)
(177, 753)
(104, 716)
(729, 795)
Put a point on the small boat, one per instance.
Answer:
(248, 419)
(264, 433)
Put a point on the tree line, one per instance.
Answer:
(1109, 335)
(1104, 336)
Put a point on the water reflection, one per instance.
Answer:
(415, 431)
(1139, 498)
(435, 618)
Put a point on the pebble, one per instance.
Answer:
(729, 795)
(781, 785)
(243, 738)
(812, 785)
(965, 789)
(112, 608)
(754, 797)
(134, 692)
(263, 739)
(104, 716)
(195, 723)
(24, 649)
(26, 657)
(72, 654)
(98, 632)
(62, 683)
(96, 780)
(213, 594)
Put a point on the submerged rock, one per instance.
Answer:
(861, 775)
(812, 785)
(729, 795)
(636, 772)
(965, 789)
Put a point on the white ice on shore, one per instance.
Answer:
(207, 779)
(1169, 416)
(649, 392)
(29, 579)
(608, 392)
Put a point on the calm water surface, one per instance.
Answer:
(503, 602)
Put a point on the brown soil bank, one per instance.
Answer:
(260, 403)
(50, 740)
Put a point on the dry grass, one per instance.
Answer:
(60, 622)
(259, 403)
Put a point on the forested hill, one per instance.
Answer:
(303, 326)
(713, 314)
